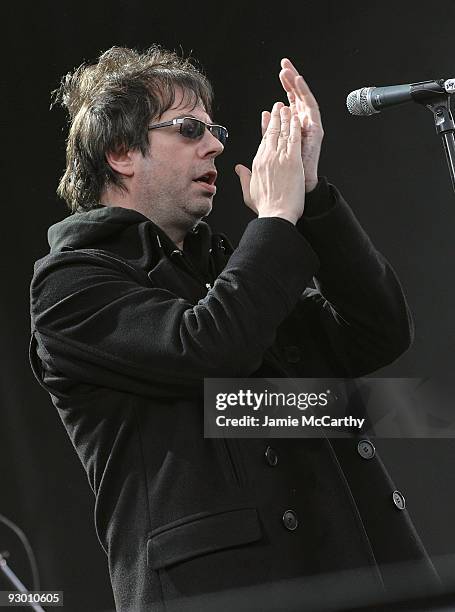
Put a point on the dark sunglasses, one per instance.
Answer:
(194, 128)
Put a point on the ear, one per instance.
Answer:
(122, 161)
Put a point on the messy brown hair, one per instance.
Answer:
(110, 104)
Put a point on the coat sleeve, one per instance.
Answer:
(362, 305)
(95, 323)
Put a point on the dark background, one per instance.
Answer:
(390, 167)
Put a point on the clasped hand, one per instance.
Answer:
(276, 185)
(303, 105)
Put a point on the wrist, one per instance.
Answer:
(310, 184)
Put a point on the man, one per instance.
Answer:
(138, 302)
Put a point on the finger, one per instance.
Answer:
(265, 120)
(295, 136)
(289, 73)
(274, 128)
(300, 95)
(292, 80)
(285, 116)
(303, 91)
(291, 98)
(244, 175)
(301, 110)
(295, 94)
(287, 64)
(287, 79)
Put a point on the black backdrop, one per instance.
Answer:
(390, 167)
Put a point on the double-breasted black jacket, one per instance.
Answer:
(125, 327)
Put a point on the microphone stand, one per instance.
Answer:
(17, 584)
(445, 126)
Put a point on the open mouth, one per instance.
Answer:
(207, 181)
(209, 178)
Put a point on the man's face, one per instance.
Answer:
(165, 182)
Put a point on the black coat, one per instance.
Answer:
(124, 329)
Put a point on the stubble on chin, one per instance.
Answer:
(200, 207)
(175, 207)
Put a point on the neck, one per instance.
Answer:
(116, 197)
(177, 236)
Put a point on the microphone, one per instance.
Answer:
(369, 100)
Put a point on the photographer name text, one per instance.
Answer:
(288, 421)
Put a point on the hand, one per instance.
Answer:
(302, 101)
(276, 185)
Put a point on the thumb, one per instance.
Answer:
(244, 175)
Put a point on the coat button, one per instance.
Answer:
(292, 354)
(398, 500)
(366, 449)
(271, 456)
(290, 520)
(176, 252)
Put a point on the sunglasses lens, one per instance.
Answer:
(219, 132)
(192, 128)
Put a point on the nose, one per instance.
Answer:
(210, 146)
